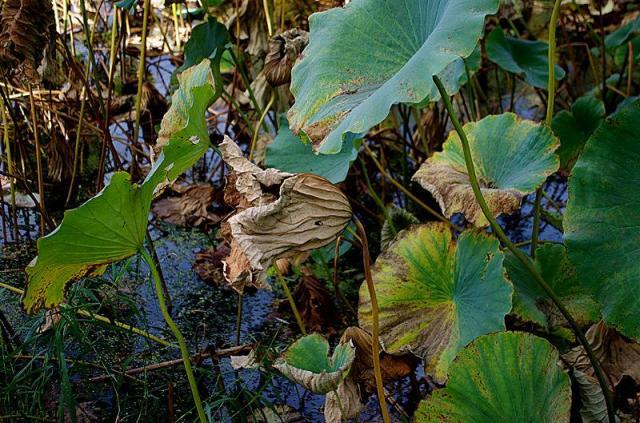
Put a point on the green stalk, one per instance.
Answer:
(176, 332)
(12, 186)
(292, 303)
(551, 99)
(103, 319)
(523, 258)
(141, 68)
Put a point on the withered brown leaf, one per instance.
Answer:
(284, 50)
(26, 29)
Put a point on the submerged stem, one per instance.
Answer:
(176, 332)
(523, 258)
(375, 332)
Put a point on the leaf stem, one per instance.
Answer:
(523, 258)
(141, 69)
(36, 139)
(551, 100)
(103, 319)
(375, 332)
(176, 332)
(408, 193)
(292, 303)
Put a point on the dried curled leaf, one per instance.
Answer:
(249, 178)
(360, 382)
(594, 406)
(26, 27)
(284, 50)
(307, 362)
(618, 356)
(512, 158)
(310, 213)
(346, 398)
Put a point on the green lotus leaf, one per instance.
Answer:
(575, 127)
(397, 219)
(109, 227)
(112, 225)
(289, 154)
(623, 34)
(207, 41)
(602, 220)
(621, 54)
(504, 377)
(371, 54)
(512, 158)
(532, 304)
(435, 295)
(307, 362)
(523, 57)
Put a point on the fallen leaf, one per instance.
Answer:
(51, 318)
(190, 208)
(618, 356)
(27, 29)
(239, 362)
(315, 304)
(208, 264)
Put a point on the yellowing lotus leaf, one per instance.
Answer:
(512, 157)
(435, 295)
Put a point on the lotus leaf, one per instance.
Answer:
(602, 220)
(512, 157)
(289, 153)
(504, 377)
(575, 127)
(435, 295)
(371, 54)
(529, 58)
(531, 303)
(112, 225)
(307, 362)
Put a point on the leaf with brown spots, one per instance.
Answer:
(512, 157)
(435, 295)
